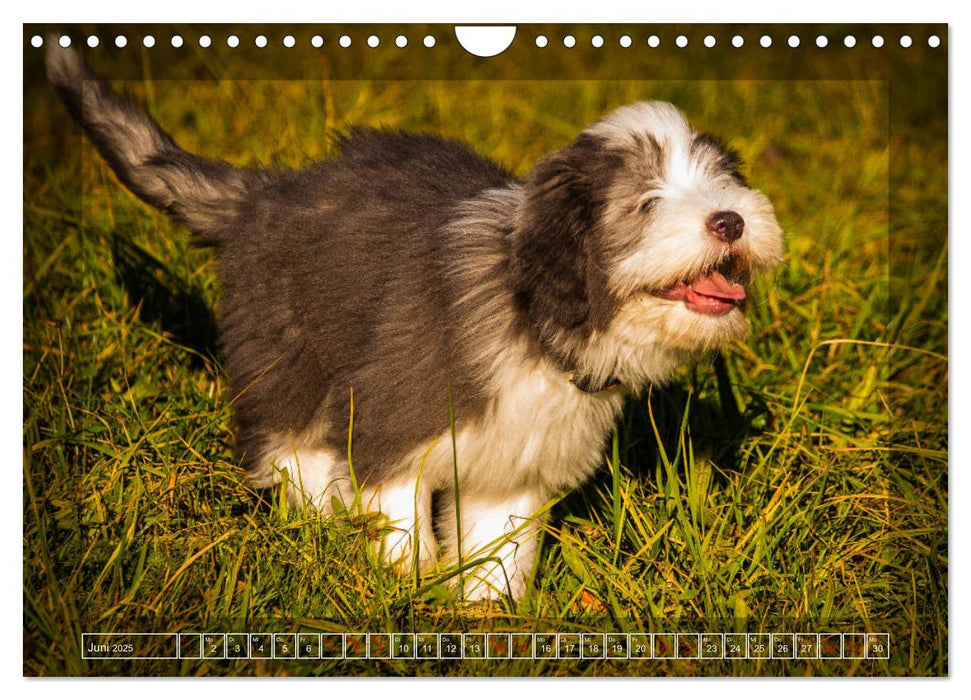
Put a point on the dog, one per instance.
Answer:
(409, 322)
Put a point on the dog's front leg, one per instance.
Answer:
(317, 478)
(502, 531)
(407, 510)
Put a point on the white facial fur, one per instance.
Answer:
(671, 242)
(689, 189)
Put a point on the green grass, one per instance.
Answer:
(798, 483)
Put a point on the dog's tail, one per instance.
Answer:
(202, 194)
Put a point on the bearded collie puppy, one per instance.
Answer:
(411, 287)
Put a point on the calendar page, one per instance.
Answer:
(513, 350)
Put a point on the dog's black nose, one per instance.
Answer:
(727, 225)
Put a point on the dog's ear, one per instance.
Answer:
(557, 263)
(724, 158)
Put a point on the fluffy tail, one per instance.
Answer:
(202, 194)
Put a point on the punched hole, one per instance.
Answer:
(486, 42)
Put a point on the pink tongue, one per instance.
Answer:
(715, 285)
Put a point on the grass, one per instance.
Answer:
(796, 483)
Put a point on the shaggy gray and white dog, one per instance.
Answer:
(411, 275)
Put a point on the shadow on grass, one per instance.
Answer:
(716, 427)
(163, 298)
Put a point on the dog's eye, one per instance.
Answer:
(647, 205)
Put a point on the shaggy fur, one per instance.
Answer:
(411, 275)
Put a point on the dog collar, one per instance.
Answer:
(587, 385)
(584, 382)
